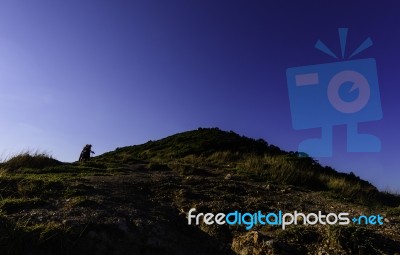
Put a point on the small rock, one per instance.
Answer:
(228, 177)
(269, 243)
(255, 236)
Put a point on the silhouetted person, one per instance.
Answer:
(85, 154)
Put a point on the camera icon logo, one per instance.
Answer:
(359, 81)
(338, 93)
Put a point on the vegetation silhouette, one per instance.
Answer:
(134, 200)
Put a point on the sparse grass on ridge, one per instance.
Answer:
(29, 159)
(227, 151)
(287, 169)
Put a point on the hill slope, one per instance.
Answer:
(135, 200)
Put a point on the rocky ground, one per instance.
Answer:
(142, 210)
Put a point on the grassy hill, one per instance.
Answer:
(134, 200)
(256, 159)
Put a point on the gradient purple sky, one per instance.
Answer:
(118, 73)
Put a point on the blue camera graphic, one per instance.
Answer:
(344, 92)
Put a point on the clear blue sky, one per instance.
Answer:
(118, 73)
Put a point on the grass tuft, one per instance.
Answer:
(29, 160)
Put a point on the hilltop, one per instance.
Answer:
(135, 200)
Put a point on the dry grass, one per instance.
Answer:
(29, 159)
